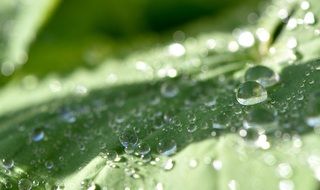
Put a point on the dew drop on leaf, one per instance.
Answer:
(128, 137)
(313, 110)
(143, 148)
(260, 118)
(8, 163)
(169, 90)
(167, 147)
(250, 93)
(168, 165)
(263, 75)
(24, 184)
(37, 135)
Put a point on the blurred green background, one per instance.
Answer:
(83, 34)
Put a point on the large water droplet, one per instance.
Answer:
(143, 148)
(24, 184)
(37, 134)
(263, 75)
(250, 93)
(8, 163)
(128, 137)
(260, 118)
(167, 147)
(169, 90)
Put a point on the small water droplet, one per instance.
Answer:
(260, 118)
(192, 127)
(49, 165)
(168, 165)
(167, 147)
(37, 135)
(169, 90)
(193, 163)
(246, 39)
(232, 184)
(309, 18)
(8, 163)
(24, 184)
(284, 170)
(304, 5)
(250, 93)
(263, 75)
(313, 110)
(286, 185)
(292, 43)
(128, 137)
(176, 49)
(217, 165)
(143, 148)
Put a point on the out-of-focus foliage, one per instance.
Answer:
(100, 75)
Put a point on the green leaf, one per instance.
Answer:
(65, 131)
(20, 21)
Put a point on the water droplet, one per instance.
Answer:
(250, 93)
(192, 127)
(260, 118)
(169, 90)
(284, 170)
(305, 5)
(159, 186)
(176, 49)
(193, 163)
(217, 164)
(309, 18)
(263, 75)
(8, 163)
(232, 184)
(68, 116)
(167, 147)
(49, 165)
(286, 185)
(143, 148)
(233, 46)
(313, 110)
(128, 137)
(112, 155)
(292, 43)
(262, 34)
(37, 134)
(130, 149)
(246, 39)
(168, 164)
(24, 184)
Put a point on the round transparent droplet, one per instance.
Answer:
(143, 148)
(313, 110)
(37, 134)
(250, 93)
(49, 165)
(192, 127)
(112, 155)
(169, 90)
(263, 75)
(128, 137)
(24, 184)
(130, 149)
(167, 147)
(8, 163)
(260, 118)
